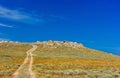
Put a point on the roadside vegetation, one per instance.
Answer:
(12, 56)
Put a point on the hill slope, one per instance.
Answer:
(12, 56)
(55, 59)
(71, 50)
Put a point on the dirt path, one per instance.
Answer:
(25, 70)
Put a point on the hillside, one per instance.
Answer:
(58, 59)
(57, 49)
(12, 56)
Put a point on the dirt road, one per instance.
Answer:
(25, 70)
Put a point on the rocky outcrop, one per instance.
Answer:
(55, 44)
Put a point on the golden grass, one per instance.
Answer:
(60, 62)
(69, 62)
(76, 63)
(70, 52)
(11, 57)
(70, 68)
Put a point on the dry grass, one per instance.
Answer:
(11, 57)
(72, 68)
(70, 52)
(59, 62)
(69, 62)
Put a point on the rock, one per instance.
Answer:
(55, 44)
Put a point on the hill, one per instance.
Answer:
(12, 55)
(64, 49)
(59, 59)
(63, 59)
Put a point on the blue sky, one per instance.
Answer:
(95, 23)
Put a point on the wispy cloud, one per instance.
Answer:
(18, 15)
(5, 25)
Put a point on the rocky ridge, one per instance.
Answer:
(55, 44)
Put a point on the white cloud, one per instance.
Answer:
(5, 25)
(18, 15)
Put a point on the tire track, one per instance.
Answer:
(29, 59)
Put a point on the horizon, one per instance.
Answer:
(58, 41)
(92, 23)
